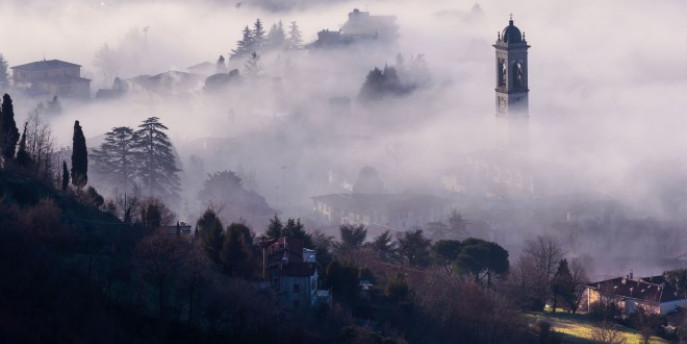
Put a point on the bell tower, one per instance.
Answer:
(512, 104)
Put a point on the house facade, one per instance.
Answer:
(652, 294)
(396, 211)
(293, 273)
(52, 78)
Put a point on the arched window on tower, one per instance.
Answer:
(518, 74)
(503, 73)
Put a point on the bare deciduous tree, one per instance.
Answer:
(536, 267)
(607, 333)
(40, 144)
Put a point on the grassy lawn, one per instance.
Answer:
(576, 328)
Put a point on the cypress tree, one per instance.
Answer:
(79, 157)
(9, 134)
(65, 176)
(23, 157)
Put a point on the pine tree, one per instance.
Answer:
(65, 176)
(79, 157)
(295, 40)
(9, 134)
(275, 228)
(295, 229)
(157, 166)
(243, 46)
(23, 157)
(116, 158)
(258, 35)
(276, 38)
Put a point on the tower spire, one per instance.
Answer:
(512, 90)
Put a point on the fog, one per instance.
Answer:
(607, 84)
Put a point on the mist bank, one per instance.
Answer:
(606, 121)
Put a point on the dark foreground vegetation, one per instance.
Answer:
(74, 273)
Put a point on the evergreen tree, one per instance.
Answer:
(483, 259)
(209, 229)
(243, 46)
(384, 245)
(414, 247)
(9, 134)
(221, 65)
(4, 76)
(237, 251)
(352, 237)
(295, 229)
(116, 160)
(157, 166)
(151, 217)
(23, 157)
(79, 157)
(276, 39)
(562, 284)
(445, 253)
(295, 40)
(65, 176)
(275, 228)
(258, 35)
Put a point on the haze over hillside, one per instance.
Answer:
(606, 86)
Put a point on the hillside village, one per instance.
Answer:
(287, 223)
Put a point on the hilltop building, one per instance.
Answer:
(52, 78)
(512, 89)
(396, 211)
(360, 27)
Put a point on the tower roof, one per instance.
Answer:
(511, 34)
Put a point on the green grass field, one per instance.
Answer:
(575, 328)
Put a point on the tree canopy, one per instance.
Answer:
(117, 159)
(9, 134)
(79, 157)
(414, 247)
(157, 166)
(483, 259)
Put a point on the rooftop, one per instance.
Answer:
(653, 289)
(45, 65)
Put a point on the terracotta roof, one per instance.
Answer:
(652, 289)
(45, 65)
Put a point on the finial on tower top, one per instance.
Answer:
(511, 16)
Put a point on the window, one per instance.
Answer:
(296, 288)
